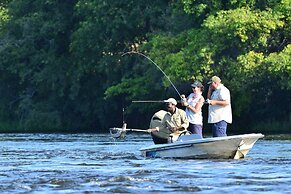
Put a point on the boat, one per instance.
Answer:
(194, 147)
(191, 146)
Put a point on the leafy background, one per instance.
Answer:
(62, 67)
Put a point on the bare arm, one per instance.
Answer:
(210, 90)
(219, 102)
(224, 98)
(197, 107)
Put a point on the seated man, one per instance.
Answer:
(172, 124)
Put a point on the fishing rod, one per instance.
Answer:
(141, 54)
(151, 101)
(119, 133)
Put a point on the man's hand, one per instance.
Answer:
(207, 101)
(173, 129)
(185, 104)
(153, 129)
(210, 88)
(184, 100)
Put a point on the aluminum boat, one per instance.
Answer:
(195, 147)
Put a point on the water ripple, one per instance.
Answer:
(92, 163)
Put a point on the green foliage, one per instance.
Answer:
(243, 46)
(243, 28)
(4, 17)
(42, 121)
(182, 57)
(33, 60)
(278, 66)
(257, 67)
(129, 87)
(62, 65)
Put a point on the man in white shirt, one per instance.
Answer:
(220, 114)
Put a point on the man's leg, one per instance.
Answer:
(219, 129)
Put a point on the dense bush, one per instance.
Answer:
(62, 66)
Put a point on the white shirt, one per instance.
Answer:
(217, 112)
(194, 118)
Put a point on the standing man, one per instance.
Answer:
(219, 110)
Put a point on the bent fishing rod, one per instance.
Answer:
(141, 54)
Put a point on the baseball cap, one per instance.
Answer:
(214, 79)
(197, 84)
(171, 100)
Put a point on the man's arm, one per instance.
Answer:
(219, 102)
(225, 98)
(209, 93)
(185, 122)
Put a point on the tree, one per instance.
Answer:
(34, 62)
(62, 63)
(231, 38)
(107, 30)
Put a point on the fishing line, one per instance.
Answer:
(141, 54)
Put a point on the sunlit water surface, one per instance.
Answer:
(94, 163)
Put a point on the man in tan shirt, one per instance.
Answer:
(174, 121)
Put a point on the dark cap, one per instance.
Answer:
(197, 84)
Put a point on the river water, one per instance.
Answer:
(94, 163)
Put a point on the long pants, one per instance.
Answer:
(219, 129)
(195, 129)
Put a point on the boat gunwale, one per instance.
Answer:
(189, 143)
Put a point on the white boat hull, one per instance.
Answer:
(230, 147)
